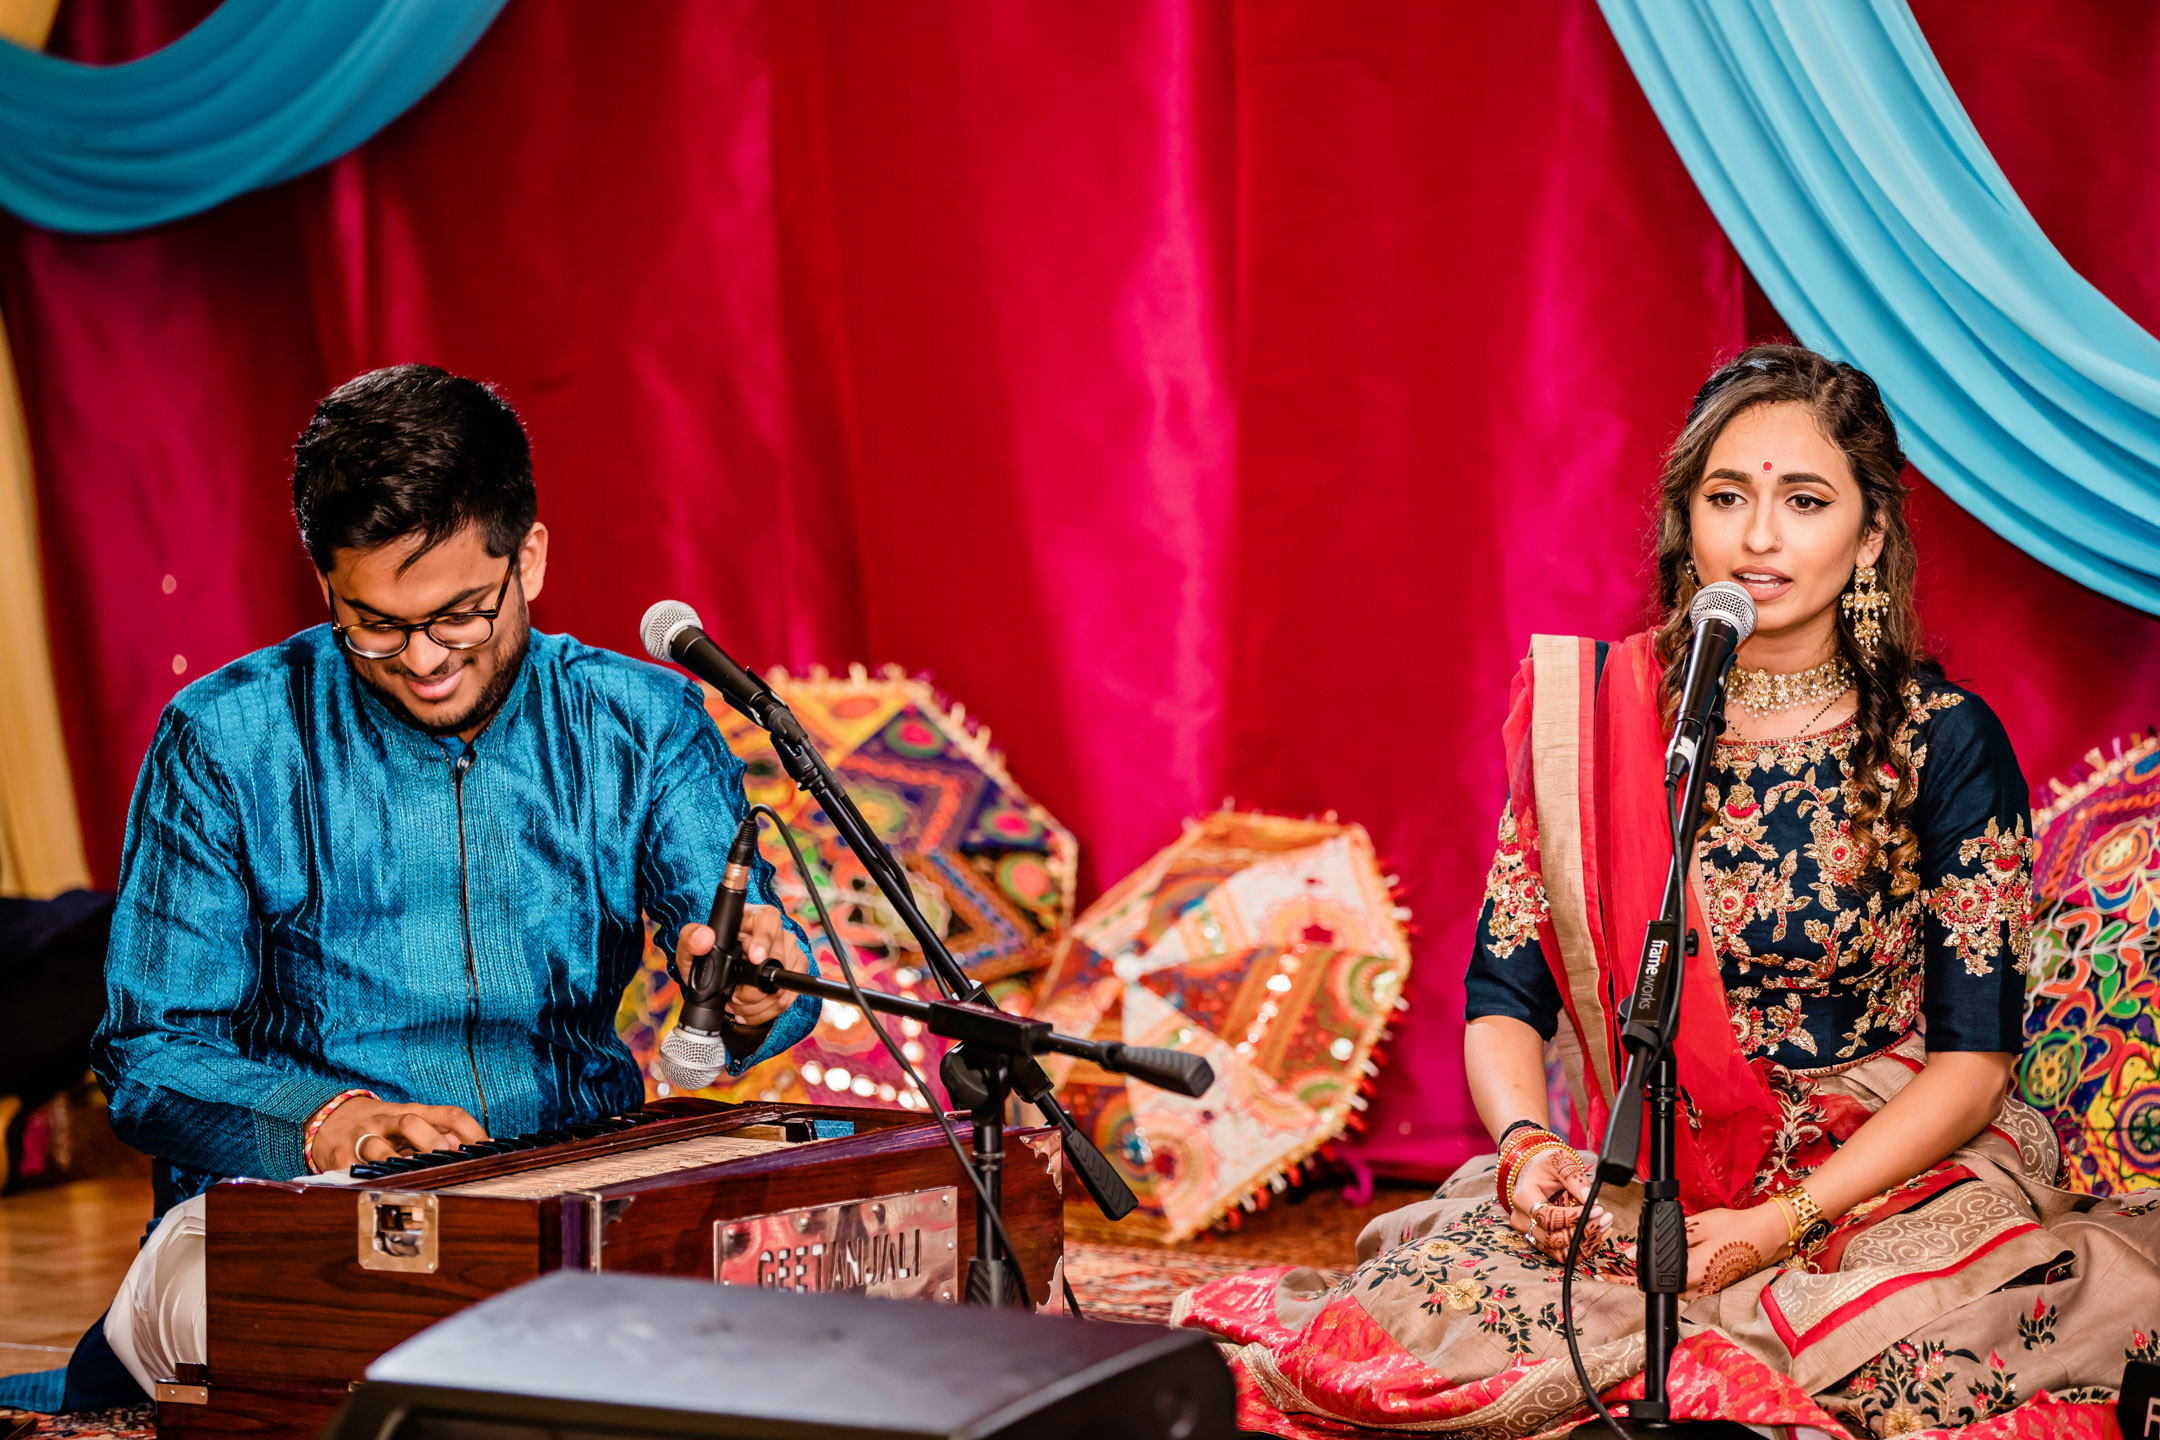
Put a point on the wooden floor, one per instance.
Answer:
(64, 1249)
(62, 1253)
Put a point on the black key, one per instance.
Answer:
(487, 1147)
(549, 1137)
(586, 1128)
(367, 1172)
(396, 1165)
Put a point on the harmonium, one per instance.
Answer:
(307, 1283)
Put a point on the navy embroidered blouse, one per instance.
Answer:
(1823, 965)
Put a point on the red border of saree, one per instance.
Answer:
(1586, 767)
(1876, 1294)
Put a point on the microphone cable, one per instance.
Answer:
(1567, 1306)
(984, 1210)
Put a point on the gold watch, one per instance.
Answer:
(1808, 1227)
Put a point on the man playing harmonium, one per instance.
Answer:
(383, 882)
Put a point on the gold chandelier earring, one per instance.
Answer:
(1864, 603)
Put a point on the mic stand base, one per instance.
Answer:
(981, 1082)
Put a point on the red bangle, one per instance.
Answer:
(315, 1124)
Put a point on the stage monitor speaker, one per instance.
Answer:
(575, 1356)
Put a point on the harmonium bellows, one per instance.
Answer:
(308, 1283)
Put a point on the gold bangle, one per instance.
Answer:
(1522, 1163)
(1812, 1226)
(1792, 1223)
(1524, 1138)
(1509, 1166)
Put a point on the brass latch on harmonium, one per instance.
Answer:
(397, 1231)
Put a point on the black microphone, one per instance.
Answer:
(694, 1052)
(671, 631)
(1724, 616)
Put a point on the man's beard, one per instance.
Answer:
(482, 710)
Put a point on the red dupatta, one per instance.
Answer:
(1586, 768)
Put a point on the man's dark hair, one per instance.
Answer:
(411, 450)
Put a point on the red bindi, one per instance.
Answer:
(1765, 464)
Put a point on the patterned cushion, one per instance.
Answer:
(2092, 1025)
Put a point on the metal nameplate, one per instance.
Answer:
(398, 1230)
(898, 1247)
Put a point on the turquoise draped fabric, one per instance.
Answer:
(260, 91)
(1833, 151)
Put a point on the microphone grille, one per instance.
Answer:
(662, 623)
(1725, 601)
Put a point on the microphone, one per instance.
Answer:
(671, 632)
(1724, 616)
(695, 1052)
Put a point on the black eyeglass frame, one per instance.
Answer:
(344, 637)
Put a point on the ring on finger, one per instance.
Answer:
(359, 1148)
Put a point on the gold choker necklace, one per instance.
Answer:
(1761, 693)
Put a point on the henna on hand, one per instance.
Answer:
(1734, 1261)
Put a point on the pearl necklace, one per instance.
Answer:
(1759, 692)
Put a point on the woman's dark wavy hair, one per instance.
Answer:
(408, 450)
(1881, 782)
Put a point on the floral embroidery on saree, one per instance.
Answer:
(1914, 1387)
(1992, 907)
(2037, 1330)
(1516, 898)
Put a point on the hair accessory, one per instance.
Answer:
(1759, 692)
(1865, 602)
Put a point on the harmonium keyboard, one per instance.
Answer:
(308, 1283)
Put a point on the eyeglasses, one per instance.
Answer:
(386, 639)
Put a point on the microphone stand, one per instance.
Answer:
(1653, 1019)
(1002, 1043)
(987, 1071)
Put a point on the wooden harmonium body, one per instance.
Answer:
(307, 1284)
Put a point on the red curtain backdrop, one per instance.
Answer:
(1215, 397)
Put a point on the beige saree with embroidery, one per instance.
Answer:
(1975, 1292)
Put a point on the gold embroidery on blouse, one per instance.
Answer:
(1982, 911)
(1870, 943)
(1517, 896)
(1792, 753)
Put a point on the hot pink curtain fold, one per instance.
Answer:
(1214, 396)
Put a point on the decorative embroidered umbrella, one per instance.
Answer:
(2091, 1061)
(1272, 946)
(990, 867)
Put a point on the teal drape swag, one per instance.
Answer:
(1831, 148)
(260, 91)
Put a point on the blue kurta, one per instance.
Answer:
(314, 896)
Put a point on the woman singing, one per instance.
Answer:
(1869, 1214)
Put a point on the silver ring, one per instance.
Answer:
(361, 1144)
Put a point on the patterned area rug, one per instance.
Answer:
(1120, 1282)
(137, 1422)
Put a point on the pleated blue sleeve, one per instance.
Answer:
(182, 978)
